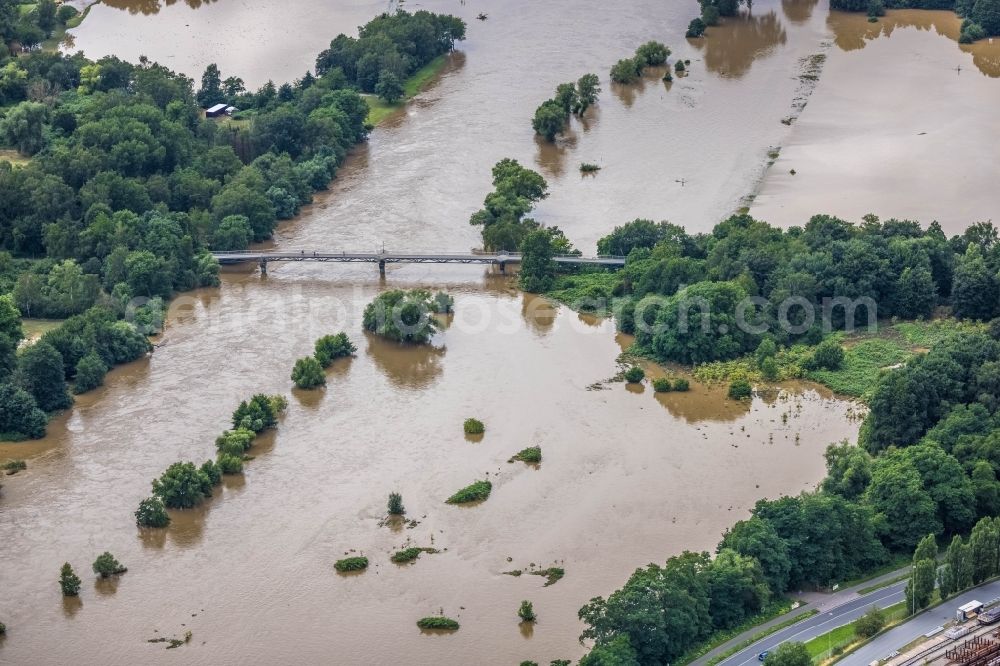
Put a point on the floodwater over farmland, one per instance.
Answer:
(903, 124)
(628, 476)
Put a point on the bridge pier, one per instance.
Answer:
(381, 267)
(263, 266)
(503, 267)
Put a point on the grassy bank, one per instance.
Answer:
(839, 642)
(867, 355)
(379, 110)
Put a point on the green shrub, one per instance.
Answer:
(710, 14)
(769, 369)
(588, 167)
(679, 66)
(634, 375)
(829, 355)
(870, 623)
(652, 54)
(331, 347)
(682, 385)
(662, 385)
(395, 505)
(401, 315)
(696, 28)
(106, 565)
(740, 389)
(260, 412)
(438, 622)
(626, 70)
(526, 612)
(151, 513)
(230, 464)
(442, 303)
(552, 575)
(406, 555)
(532, 454)
(12, 467)
(474, 427)
(235, 442)
(3, 628)
(212, 471)
(308, 373)
(182, 486)
(69, 581)
(478, 491)
(90, 372)
(351, 564)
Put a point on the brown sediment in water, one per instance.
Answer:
(895, 128)
(630, 478)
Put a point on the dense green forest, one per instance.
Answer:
(123, 186)
(928, 453)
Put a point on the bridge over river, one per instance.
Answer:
(501, 259)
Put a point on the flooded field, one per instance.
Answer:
(627, 478)
(895, 127)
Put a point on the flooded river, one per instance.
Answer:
(901, 125)
(628, 476)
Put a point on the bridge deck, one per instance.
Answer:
(382, 258)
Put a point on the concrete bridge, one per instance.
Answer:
(501, 259)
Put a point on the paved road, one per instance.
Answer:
(821, 623)
(918, 626)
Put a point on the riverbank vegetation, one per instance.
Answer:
(25, 27)
(389, 49)
(129, 185)
(106, 565)
(926, 464)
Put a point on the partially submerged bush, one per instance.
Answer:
(474, 427)
(442, 303)
(532, 454)
(696, 28)
(662, 385)
(331, 347)
(526, 612)
(682, 385)
(406, 555)
(106, 565)
(151, 513)
(182, 486)
(438, 622)
(626, 70)
(401, 315)
(552, 575)
(235, 442)
(308, 373)
(260, 412)
(230, 464)
(351, 564)
(634, 375)
(589, 167)
(69, 582)
(12, 467)
(395, 505)
(740, 389)
(478, 491)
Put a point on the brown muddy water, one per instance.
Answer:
(903, 124)
(628, 476)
